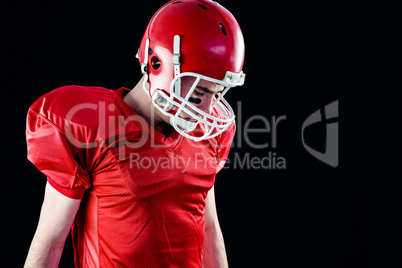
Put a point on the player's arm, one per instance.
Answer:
(56, 217)
(214, 246)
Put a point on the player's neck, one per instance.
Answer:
(138, 99)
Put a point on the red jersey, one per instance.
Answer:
(143, 194)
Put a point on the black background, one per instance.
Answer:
(298, 59)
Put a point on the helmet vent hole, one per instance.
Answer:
(222, 28)
(155, 63)
(202, 6)
(178, 2)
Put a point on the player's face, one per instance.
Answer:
(202, 96)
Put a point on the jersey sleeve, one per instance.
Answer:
(224, 145)
(55, 156)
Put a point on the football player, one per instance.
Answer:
(131, 172)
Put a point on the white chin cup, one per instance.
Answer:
(184, 125)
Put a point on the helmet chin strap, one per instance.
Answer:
(176, 62)
(185, 126)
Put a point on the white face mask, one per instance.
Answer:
(211, 125)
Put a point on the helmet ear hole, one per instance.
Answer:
(155, 63)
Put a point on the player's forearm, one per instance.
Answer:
(43, 254)
(214, 248)
(57, 215)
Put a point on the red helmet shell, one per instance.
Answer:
(211, 41)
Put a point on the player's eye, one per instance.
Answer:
(198, 93)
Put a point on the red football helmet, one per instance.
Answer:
(197, 38)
